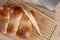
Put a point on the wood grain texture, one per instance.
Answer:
(46, 26)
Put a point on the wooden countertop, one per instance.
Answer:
(56, 35)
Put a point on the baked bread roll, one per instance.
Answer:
(25, 28)
(4, 18)
(16, 14)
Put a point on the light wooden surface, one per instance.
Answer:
(45, 23)
(56, 35)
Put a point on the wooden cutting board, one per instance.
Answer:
(47, 27)
(46, 24)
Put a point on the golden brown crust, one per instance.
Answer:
(15, 16)
(25, 29)
(16, 11)
(4, 18)
(4, 11)
(10, 17)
